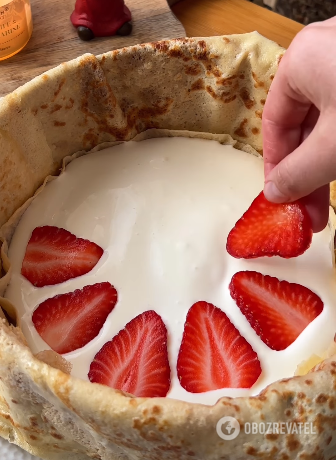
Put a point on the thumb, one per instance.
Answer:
(304, 172)
(310, 166)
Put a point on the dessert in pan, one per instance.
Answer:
(146, 280)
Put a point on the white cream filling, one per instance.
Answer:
(162, 209)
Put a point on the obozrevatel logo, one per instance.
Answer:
(228, 428)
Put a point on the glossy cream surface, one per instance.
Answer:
(162, 209)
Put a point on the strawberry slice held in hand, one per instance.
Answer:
(54, 255)
(136, 359)
(213, 354)
(69, 321)
(271, 229)
(277, 310)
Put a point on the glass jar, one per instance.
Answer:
(16, 26)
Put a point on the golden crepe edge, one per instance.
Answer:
(204, 87)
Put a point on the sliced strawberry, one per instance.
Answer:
(213, 354)
(136, 359)
(277, 310)
(271, 229)
(70, 321)
(54, 255)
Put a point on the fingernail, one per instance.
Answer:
(272, 193)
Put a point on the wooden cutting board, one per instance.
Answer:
(55, 40)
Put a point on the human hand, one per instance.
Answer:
(299, 123)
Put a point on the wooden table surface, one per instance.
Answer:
(55, 40)
(203, 18)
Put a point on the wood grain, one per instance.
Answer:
(203, 18)
(55, 40)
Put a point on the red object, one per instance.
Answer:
(69, 321)
(277, 310)
(136, 359)
(271, 229)
(54, 255)
(213, 354)
(103, 17)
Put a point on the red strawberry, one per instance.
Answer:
(213, 354)
(277, 310)
(271, 229)
(136, 359)
(54, 255)
(70, 321)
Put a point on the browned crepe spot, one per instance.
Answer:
(54, 360)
